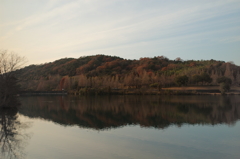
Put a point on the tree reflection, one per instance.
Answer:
(105, 112)
(12, 139)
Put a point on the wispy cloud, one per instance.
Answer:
(80, 27)
(35, 20)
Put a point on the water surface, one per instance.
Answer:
(169, 127)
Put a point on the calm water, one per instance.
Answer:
(174, 127)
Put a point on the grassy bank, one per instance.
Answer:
(196, 90)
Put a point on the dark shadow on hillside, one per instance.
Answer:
(104, 112)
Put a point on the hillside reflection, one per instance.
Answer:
(12, 138)
(104, 112)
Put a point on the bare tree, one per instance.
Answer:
(9, 62)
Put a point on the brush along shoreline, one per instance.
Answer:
(186, 90)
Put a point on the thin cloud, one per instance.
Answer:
(81, 27)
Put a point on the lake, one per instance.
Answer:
(122, 127)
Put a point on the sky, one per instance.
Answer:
(47, 30)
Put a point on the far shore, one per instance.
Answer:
(211, 90)
(185, 90)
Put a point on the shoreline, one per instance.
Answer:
(200, 90)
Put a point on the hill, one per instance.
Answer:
(111, 72)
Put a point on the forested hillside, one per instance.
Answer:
(111, 72)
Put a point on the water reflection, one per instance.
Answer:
(12, 139)
(102, 112)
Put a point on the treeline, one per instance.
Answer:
(111, 72)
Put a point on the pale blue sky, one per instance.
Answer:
(46, 30)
